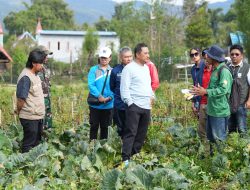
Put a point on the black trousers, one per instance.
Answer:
(102, 118)
(119, 121)
(32, 133)
(137, 121)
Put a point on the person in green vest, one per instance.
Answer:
(218, 92)
(45, 76)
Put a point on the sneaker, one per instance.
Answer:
(123, 165)
(126, 163)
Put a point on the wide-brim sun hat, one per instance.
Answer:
(216, 53)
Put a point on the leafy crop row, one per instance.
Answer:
(172, 157)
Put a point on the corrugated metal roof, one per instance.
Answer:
(236, 38)
(75, 33)
(181, 66)
(26, 34)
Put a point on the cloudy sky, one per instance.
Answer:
(176, 2)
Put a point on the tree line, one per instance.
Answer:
(168, 32)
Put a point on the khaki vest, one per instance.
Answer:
(33, 108)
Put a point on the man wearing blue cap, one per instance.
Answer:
(218, 92)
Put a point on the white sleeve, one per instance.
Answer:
(125, 86)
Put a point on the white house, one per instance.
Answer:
(66, 45)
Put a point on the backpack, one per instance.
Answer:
(234, 98)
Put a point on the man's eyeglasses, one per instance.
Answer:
(194, 54)
(234, 54)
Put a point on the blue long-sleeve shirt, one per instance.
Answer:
(136, 85)
(96, 78)
(115, 81)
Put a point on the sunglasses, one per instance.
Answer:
(194, 54)
(234, 54)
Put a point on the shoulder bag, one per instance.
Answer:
(92, 100)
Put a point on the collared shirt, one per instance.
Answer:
(218, 93)
(136, 85)
(197, 75)
(205, 82)
(96, 79)
(115, 81)
(240, 65)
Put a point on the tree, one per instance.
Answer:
(198, 32)
(85, 26)
(189, 8)
(102, 24)
(152, 24)
(90, 45)
(242, 9)
(223, 24)
(215, 18)
(231, 15)
(54, 14)
(128, 24)
(19, 54)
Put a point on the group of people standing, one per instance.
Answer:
(126, 98)
(222, 93)
(125, 95)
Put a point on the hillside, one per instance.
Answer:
(89, 11)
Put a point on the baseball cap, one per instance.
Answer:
(43, 49)
(105, 52)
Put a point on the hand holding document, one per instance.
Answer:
(187, 94)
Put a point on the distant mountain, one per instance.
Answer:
(90, 10)
(224, 5)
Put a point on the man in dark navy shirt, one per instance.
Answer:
(115, 79)
(23, 88)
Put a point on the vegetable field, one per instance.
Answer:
(172, 157)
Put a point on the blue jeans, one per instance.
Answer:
(238, 120)
(216, 128)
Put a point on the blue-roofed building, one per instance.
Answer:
(236, 38)
(67, 45)
(31, 41)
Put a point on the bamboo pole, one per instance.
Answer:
(72, 110)
(14, 107)
(0, 118)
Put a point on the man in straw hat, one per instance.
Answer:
(218, 91)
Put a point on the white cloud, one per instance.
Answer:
(175, 2)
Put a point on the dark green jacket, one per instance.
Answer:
(218, 92)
